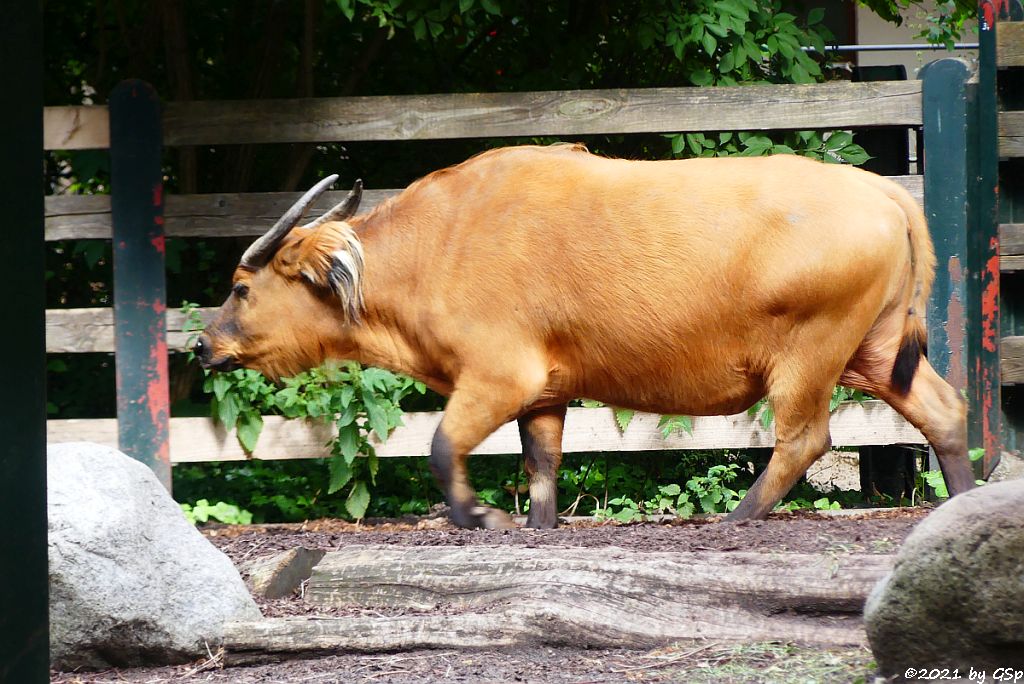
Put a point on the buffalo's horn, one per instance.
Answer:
(261, 251)
(343, 209)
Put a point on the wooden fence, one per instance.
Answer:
(566, 114)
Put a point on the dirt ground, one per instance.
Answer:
(868, 532)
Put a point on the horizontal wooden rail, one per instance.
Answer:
(1011, 246)
(1010, 44)
(487, 115)
(1011, 362)
(202, 440)
(1011, 134)
(245, 214)
(70, 217)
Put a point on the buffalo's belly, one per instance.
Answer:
(709, 389)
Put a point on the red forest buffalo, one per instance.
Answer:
(528, 276)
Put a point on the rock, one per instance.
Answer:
(955, 598)
(131, 581)
(1010, 467)
(281, 574)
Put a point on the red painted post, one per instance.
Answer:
(140, 308)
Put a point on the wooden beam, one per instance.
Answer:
(1011, 239)
(592, 598)
(1011, 247)
(551, 113)
(90, 330)
(1012, 366)
(1011, 134)
(76, 128)
(198, 440)
(70, 217)
(1010, 44)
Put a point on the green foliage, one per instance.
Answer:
(202, 511)
(712, 492)
(358, 401)
(762, 409)
(932, 479)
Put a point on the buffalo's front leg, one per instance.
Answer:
(473, 412)
(541, 435)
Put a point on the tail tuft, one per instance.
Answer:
(913, 347)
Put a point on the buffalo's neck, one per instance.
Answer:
(395, 329)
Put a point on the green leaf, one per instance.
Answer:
(348, 442)
(491, 6)
(466, 5)
(227, 411)
(250, 426)
(375, 416)
(710, 43)
(701, 77)
(221, 385)
(347, 8)
(358, 501)
(623, 417)
(838, 140)
(341, 474)
(854, 154)
(815, 15)
(976, 454)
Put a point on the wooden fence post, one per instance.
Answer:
(143, 404)
(24, 583)
(963, 312)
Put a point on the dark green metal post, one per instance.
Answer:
(140, 306)
(963, 313)
(24, 628)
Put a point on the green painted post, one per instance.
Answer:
(963, 313)
(24, 584)
(945, 109)
(140, 308)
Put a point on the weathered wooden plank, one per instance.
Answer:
(1010, 44)
(70, 217)
(76, 128)
(1011, 239)
(600, 598)
(1011, 368)
(1011, 262)
(560, 113)
(1011, 134)
(228, 214)
(92, 329)
(197, 440)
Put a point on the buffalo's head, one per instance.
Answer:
(294, 291)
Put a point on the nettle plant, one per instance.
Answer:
(358, 401)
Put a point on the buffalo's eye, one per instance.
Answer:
(241, 289)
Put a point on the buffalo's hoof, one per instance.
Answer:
(477, 517)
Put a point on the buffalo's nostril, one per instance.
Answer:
(202, 350)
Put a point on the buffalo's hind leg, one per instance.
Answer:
(541, 434)
(933, 407)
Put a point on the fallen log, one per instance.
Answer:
(487, 597)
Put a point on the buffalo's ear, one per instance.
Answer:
(330, 258)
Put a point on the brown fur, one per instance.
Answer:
(528, 276)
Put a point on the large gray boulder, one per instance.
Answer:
(955, 598)
(131, 581)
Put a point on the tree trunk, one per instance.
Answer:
(442, 597)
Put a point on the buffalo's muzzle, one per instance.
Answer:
(203, 350)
